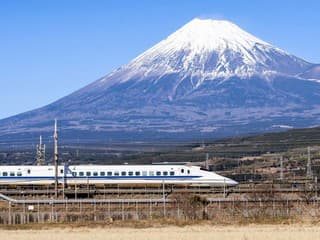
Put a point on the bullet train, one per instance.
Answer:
(112, 174)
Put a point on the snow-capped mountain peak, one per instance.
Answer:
(206, 35)
(206, 49)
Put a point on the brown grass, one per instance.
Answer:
(163, 223)
(193, 232)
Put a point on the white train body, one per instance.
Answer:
(112, 174)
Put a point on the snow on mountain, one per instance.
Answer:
(208, 77)
(312, 73)
(206, 50)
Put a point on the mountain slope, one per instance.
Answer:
(205, 50)
(311, 73)
(208, 78)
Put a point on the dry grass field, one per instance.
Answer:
(203, 232)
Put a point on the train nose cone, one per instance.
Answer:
(231, 182)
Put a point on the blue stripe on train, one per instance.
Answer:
(99, 177)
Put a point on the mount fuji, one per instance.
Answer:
(210, 78)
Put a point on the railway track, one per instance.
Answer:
(246, 188)
(149, 200)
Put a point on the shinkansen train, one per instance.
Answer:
(112, 174)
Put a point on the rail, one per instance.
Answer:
(65, 201)
(149, 200)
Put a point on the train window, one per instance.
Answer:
(151, 173)
(95, 173)
(130, 173)
(81, 174)
(61, 171)
(158, 173)
(165, 173)
(102, 173)
(116, 173)
(29, 171)
(4, 174)
(88, 174)
(182, 170)
(137, 173)
(12, 174)
(188, 171)
(172, 173)
(19, 174)
(123, 173)
(74, 174)
(109, 173)
(144, 173)
(204, 169)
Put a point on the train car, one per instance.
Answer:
(112, 174)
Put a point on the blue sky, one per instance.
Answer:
(51, 48)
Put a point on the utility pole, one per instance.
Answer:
(164, 199)
(309, 170)
(41, 151)
(56, 155)
(316, 186)
(207, 161)
(281, 168)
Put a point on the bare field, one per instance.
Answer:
(254, 232)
